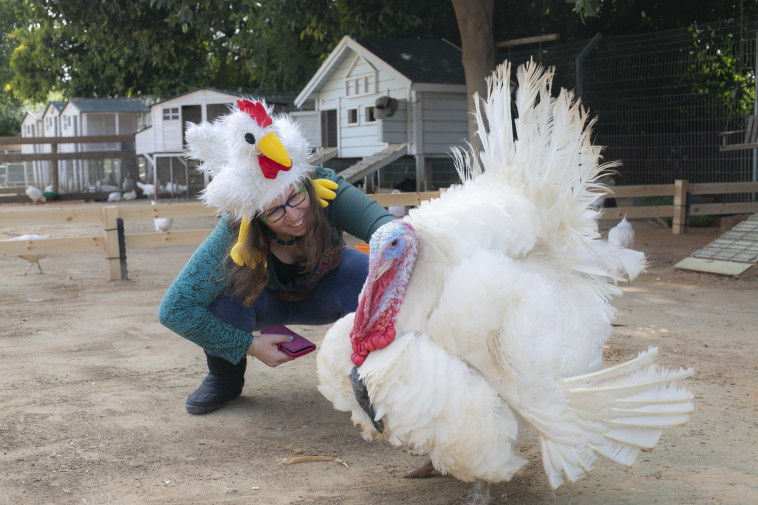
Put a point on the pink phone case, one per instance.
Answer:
(299, 346)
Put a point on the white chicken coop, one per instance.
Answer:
(378, 100)
(84, 117)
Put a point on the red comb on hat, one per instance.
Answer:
(256, 111)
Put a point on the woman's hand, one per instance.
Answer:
(264, 348)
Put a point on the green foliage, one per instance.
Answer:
(720, 72)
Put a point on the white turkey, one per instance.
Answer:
(487, 309)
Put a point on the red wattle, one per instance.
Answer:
(271, 168)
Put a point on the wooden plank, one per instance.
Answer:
(145, 212)
(528, 40)
(51, 215)
(51, 246)
(170, 238)
(713, 188)
(713, 209)
(679, 222)
(66, 140)
(374, 162)
(405, 199)
(714, 266)
(81, 155)
(642, 190)
(640, 212)
(110, 245)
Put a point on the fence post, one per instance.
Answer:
(110, 242)
(679, 222)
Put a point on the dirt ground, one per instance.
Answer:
(92, 392)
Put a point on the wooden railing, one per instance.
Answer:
(681, 208)
(108, 241)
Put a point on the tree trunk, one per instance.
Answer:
(478, 45)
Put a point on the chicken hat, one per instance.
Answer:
(251, 157)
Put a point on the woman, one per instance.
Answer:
(269, 260)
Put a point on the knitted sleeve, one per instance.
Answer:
(352, 211)
(184, 307)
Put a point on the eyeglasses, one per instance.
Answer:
(277, 213)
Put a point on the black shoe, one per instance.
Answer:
(223, 383)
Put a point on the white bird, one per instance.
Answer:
(501, 320)
(622, 234)
(397, 210)
(162, 224)
(173, 187)
(107, 188)
(147, 189)
(130, 195)
(35, 194)
(114, 196)
(32, 258)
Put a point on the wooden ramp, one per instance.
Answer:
(374, 162)
(734, 253)
(322, 156)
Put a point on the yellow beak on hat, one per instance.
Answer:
(272, 148)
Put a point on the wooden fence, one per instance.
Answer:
(55, 155)
(110, 215)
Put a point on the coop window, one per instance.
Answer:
(369, 114)
(359, 85)
(170, 113)
(352, 116)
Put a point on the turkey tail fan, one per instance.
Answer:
(622, 410)
(549, 159)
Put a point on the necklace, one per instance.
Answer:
(280, 241)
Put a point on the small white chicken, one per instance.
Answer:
(130, 195)
(147, 189)
(114, 196)
(622, 234)
(35, 194)
(32, 258)
(162, 224)
(397, 210)
(174, 188)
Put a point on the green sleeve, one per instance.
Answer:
(352, 211)
(184, 307)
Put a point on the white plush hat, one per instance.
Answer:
(251, 157)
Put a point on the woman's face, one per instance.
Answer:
(289, 213)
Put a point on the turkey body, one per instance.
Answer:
(501, 320)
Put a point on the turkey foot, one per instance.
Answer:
(422, 472)
(479, 494)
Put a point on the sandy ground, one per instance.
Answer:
(92, 392)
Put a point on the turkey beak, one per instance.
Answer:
(272, 148)
(383, 267)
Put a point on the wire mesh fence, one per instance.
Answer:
(663, 98)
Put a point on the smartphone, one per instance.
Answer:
(299, 346)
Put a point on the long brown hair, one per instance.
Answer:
(248, 283)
